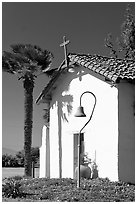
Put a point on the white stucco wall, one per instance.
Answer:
(100, 135)
(54, 155)
(45, 154)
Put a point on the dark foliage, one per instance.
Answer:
(61, 190)
(9, 161)
(125, 44)
(18, 159)
(12, 188)
(26, 58)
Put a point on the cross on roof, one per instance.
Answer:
(65, 48)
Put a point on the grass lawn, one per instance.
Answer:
(19, 189)
(10, 172)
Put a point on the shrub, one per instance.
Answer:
(65, 189)
(17, 178)
(47, 195)
(12, 188)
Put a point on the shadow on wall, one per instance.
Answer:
(63, 85)
(126, 141)
(64, 101)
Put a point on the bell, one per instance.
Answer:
(80, 112)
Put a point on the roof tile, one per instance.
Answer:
(112, 68)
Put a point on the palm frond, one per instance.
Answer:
(6, 67)
(26, 57)
(9, 64)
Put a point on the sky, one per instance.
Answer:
(85, 24)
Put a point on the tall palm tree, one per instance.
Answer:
(27, 62)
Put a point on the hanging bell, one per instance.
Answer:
(80, 112)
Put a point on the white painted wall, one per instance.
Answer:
(42, 171)
(101, 134)
(45, 154)
(54, 147)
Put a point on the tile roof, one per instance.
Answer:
(111, 68)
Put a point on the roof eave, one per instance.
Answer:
(48, 88)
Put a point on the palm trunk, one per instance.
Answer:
(28, 109)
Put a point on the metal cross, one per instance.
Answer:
(65, 48)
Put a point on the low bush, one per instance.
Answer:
(44, 189)
(12, 188)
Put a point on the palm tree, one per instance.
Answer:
(27, 62)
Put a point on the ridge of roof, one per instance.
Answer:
(100, 56)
